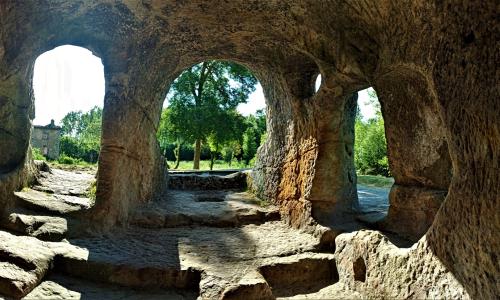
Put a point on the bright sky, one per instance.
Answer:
(66, 79)
(367, 110)
(70, 78)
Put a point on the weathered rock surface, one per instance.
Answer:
(45, 228)
(180, 181)
(24, 261)
(412, 210)
(59, 287)
(45, 210)
(51, 203)
(432, 63)
(215, 260)
(368, 263)
(210, 208)
(336, 291)
(61, 182)
(299, 274)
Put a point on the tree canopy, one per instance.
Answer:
(81, 134)
(370, 151)
(202, 105)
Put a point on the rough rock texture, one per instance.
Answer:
(434, 65)
(236, 180)
(211, 208)
(418, 151)
(51, 203)
(220, 262)
(368, 263)
(56, 181)
(13, 181)
(46, 211)
(24, 261)
(412, 210)
(58, 287)
(45, 228)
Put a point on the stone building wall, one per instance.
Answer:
(47, 139)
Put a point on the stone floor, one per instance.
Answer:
(373, 203)
(44, 210)
(211, 208)
(209, 244)
(60, 287)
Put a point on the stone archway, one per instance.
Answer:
(416, 50)
(417, 150)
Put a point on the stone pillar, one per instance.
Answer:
(465, 232)
(16, 112)
(16, 168)
(306, 165)
(285, 164)
(333, 192)
(417, 151)
(131, 168)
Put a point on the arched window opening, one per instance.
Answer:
(68, 84)
(370, 158)
(317, 83)
(213, 118)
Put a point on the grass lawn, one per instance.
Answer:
(77, 166)
(376, 181)
(183, 165)
(205, 165)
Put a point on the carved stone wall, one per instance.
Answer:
(434, 65)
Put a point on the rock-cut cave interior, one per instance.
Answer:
(155, 234)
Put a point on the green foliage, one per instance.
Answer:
(219, 164)
(375, 180)
(67, 160)
(370, 153)
(82, 135)
(91, 192)
(254, 135)
(202, 105)
(249, 144)
(230, 151)
(37, 154)
(202, 95)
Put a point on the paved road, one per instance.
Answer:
(373, 199)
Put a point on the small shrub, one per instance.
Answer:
(37, 154)
(67, 160)
(252, 162)
(91, 192)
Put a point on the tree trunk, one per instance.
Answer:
(212, 159)
(230, 159)
(165, 156)
(177, 153)
(197, 154)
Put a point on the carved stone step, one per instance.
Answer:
(179, 181)
(47, 228)
(23, 263)
(51, 203)
(204, 208)
(58, 286)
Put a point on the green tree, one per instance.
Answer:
(226, 133)
(71, 124)
(231, 150)
(249, 144)
(170, 131)
(203, 100)
(370, 154)
(253, 135)
(82, 134)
